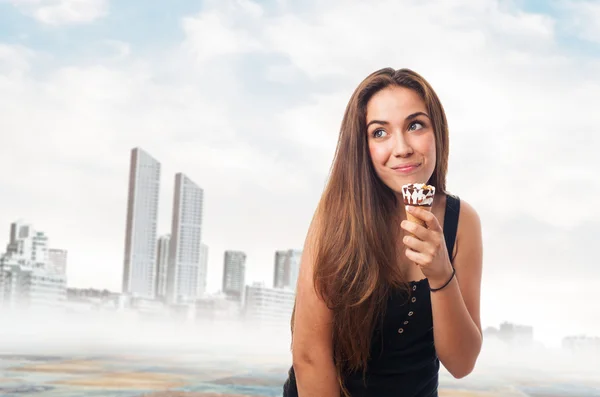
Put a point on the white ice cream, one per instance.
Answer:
(415, 194)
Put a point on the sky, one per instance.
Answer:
(246, 99)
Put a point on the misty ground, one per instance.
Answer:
(248, 346)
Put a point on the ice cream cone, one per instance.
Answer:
(418, 195)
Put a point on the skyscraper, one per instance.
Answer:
(139, 270)
(234, 274)
(287, 266)
(186, 237)
(162, 265)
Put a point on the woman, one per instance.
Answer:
(381, 300)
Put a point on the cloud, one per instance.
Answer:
(14, 60)
(120, 49)
(354, 36)
(62, 12)
(248, 104)
(210, 36)
(582, 17)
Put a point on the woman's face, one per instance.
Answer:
(400, 136)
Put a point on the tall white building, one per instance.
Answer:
(26, 278)
(139, 270)
(186, 236)
(203, 270)
(287, 267)
(162, 265)
(57, 260)
(268, 305)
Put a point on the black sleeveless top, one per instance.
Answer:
(403, 361)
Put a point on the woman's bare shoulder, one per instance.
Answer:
(469, 258)
(469, 222)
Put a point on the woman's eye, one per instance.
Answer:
(378, 133)
(417, 125)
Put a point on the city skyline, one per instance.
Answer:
(33, 275)
(26, 240)
(180, 257)
(254, 301)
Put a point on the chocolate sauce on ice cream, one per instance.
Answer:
(418, 194)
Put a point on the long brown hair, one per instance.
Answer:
(355, 258)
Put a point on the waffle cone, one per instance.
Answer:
(412, 218)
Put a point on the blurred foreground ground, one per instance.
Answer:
(119, 358)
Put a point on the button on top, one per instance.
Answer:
(414, 287)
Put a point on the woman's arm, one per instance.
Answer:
(455, 308)
(312, 348)
(456, 315)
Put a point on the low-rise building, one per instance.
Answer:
(25, 285)
(268, 305)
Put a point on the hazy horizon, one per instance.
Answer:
(80, 336)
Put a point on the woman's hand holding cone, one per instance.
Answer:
(426, 246)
